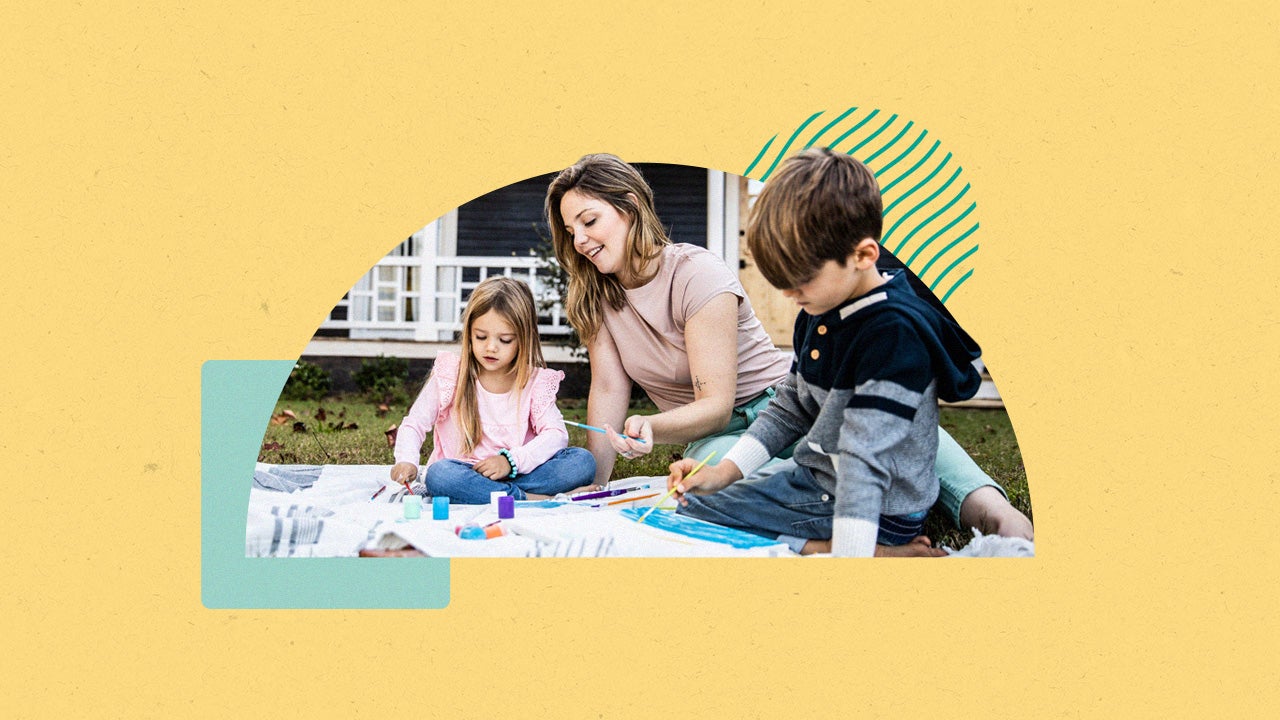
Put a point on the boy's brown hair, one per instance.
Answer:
(817, 207)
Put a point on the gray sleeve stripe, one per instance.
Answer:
(890, 390)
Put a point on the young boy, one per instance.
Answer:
(872, 359)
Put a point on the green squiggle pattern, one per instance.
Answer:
(933, 231)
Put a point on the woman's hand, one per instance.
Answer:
(494, 468)
(636, 426)
(404, 472)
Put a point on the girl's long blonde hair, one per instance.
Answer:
(513, 301)
(609, 179)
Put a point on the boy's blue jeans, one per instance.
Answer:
(569, 468)
(958, 473)
(781, 500)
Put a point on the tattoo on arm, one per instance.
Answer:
(697, 383)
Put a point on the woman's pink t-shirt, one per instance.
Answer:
(649, 329)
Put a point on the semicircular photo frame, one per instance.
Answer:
(320, 487)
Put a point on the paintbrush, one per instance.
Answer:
(593, 428)
(695, 469)
(627, 500)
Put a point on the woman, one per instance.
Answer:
(673, 318)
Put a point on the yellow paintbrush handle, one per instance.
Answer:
(670, 492)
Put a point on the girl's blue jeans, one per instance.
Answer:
(568, 469)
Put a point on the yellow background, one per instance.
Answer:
(184, 185)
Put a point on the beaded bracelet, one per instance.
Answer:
(510, 461)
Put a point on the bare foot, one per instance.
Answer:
(987, 510)
(575, 491)
(921, 546)
(402, 552)
(815, 546)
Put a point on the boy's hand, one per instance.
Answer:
(404, 472)
(494, 468)
(708, 480)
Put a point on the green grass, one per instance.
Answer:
(987, 435)
(328, 438)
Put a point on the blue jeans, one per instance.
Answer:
(568, 469)
(959, 474)
(782, 501)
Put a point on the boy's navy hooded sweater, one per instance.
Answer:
(863, 393)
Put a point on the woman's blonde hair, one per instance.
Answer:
(513, 301)
(609, 179)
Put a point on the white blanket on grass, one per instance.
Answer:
(337, 516)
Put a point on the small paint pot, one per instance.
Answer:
(440, 507)
(412, 507)
(471, 532)
(506, 507)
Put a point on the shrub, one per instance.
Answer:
(307, 381)
(383, 378)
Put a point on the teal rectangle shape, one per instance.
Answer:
(236, 400)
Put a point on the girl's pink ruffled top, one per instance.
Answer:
(527, 423)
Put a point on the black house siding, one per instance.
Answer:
(508, 221)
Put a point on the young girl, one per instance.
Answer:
(493, 411)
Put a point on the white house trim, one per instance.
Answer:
(732, 223)
(715, 212)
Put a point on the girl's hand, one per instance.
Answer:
(708, 480)
(636, 426)
(404, 472)
(494, 468)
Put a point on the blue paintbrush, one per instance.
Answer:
(593, 428)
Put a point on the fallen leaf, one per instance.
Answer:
(321, 414)
(299, 426)
(272, 446)
(391, 433)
